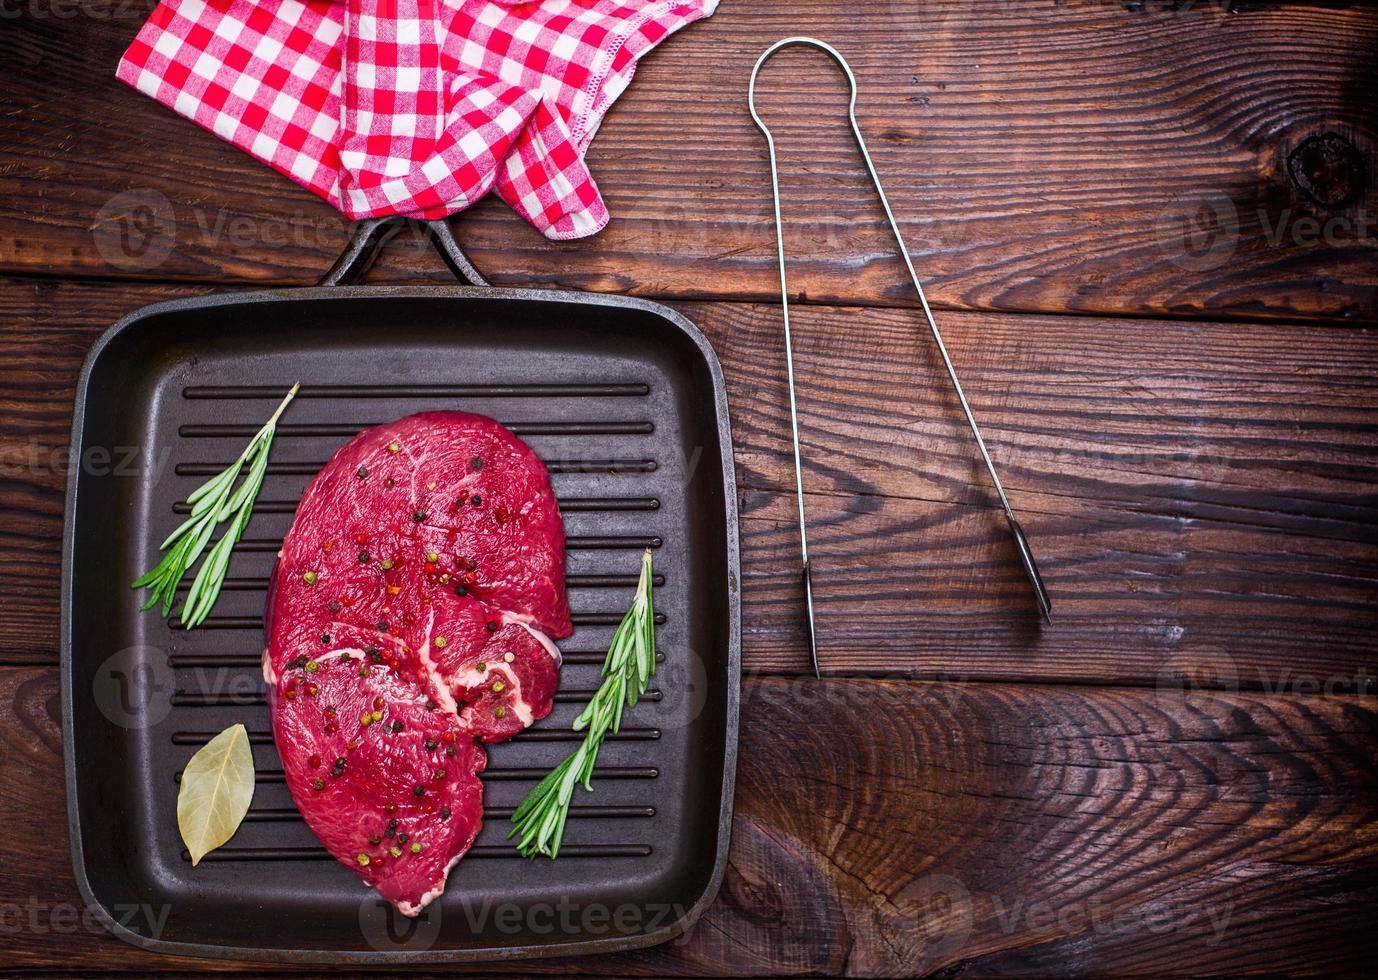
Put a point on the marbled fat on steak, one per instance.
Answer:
(412, 613)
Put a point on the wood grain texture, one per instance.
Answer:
(930, 827)
(1147, 158)
(1201, 491)
(1202, 501)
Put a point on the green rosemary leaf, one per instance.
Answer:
(182, 529)
(627, 699)
(538, 823)
(214, 486)
(212, 503)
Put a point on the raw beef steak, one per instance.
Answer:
(413, 611)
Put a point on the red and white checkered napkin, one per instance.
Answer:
(411, 107)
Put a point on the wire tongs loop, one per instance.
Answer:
(1026, 557)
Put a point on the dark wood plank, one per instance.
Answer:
(1203, 501)
(905, 827)
(1098, 157)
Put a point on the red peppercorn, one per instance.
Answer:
(314, 762)
(430, 567)
(448, 736)
(331, 727)
(378, 702)
(361, 539)
(291, 694)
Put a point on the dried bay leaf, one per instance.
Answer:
(217, 785)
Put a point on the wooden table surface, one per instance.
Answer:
(1151, 234)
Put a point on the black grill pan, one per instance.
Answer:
(623, 398)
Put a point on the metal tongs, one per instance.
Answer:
(1026, 557)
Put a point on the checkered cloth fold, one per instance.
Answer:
(410, 107)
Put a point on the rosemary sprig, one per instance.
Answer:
(628, 668)
(211, 503)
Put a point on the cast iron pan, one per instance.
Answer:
(623, 399)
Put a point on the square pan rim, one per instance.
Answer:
(578, 947)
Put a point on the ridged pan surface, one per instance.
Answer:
(623, 400)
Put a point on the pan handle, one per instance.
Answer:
(371, 234)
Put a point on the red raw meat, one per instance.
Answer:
(413, 611)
